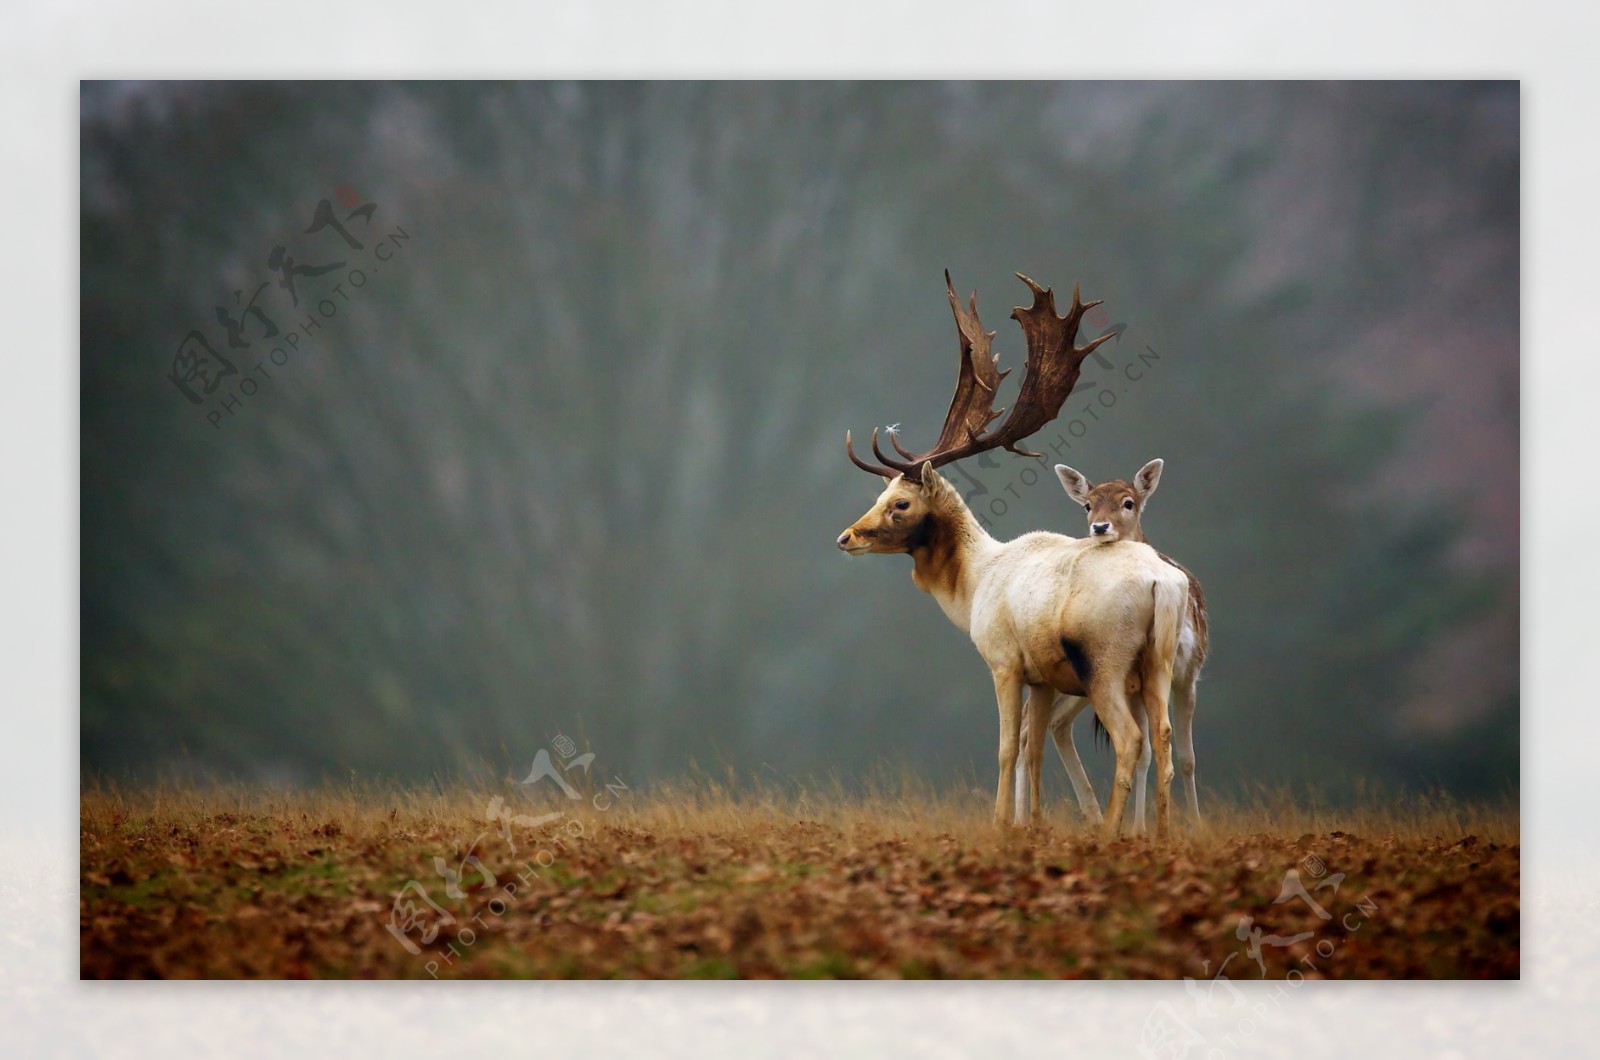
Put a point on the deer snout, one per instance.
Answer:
(1100, 529)
(856, 540)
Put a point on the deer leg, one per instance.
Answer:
(1040, 699)
(1112, 708)
(1020, 805)
(1160, 725)
(1141, 772)
(1068, 709)
(1008, 695)
(1183, 704)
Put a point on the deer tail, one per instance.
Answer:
(1161, 652)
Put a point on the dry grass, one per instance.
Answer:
(696, 881)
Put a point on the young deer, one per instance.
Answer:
(1049, 613)
(1115, 512)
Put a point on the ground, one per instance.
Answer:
(477, 883)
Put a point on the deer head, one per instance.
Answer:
(898, 520)
(914, 490)
(1114, 508)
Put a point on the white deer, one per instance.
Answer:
(1049, 614)
(1115, 512)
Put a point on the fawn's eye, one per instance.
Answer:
(1128, 504)
(902, 505)
(1088, 507)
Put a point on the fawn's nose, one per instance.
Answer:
(1100, 528)
(844, 539)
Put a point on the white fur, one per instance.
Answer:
(1019, 599)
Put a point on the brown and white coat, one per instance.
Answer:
(1115, 511)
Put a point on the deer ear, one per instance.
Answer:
(930, 478)
(1148, 478)
(1074, 483)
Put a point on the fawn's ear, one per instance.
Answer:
(1074, 483)
(1148, 478)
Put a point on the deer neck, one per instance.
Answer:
(944, 556)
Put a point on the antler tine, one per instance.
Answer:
(1075, 316)
(1095, 344)
(1037, 290)
(850, 450)
(904, 469)
(894, 440)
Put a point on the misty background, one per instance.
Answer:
(569, 459)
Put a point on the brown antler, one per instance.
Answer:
(1053, 366)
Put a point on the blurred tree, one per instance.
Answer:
(572, 460)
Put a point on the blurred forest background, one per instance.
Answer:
(569, 457)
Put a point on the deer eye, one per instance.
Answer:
(1088, 507)
(902, 505)
(1128, 504)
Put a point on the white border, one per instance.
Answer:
(45, 49)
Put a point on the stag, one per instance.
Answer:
(1115, 512)
(1049, 614)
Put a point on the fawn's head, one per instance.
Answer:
(1114, 508)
